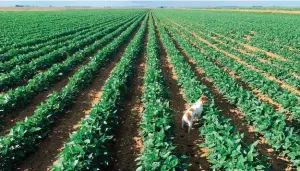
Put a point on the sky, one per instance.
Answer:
(153, 3)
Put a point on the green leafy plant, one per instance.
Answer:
(90, 142)
(22, 95)
(269, 123)
(25, 135)
(20, 58)
(226, 150)
(157, 120)
(19, 73)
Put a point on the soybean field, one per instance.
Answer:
(105, 89)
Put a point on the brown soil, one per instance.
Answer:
(24, 81)
(21, 114)
(281, 83)
(290, 120)
(247, 37)
(237, 78)
(128, 143)
(265, 61)
(237, 119)
(18, 116)
(260, 95)
(230, 111)
(187, 144)
(290, 48)
(268, 62)
(270, 54)
(253, 48)
(296, 76)
(49, 148)
(244, 51)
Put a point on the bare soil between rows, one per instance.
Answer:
(127, 143)
(237, 119)
(248, 50)
(19, 115)
(291, 122)
(270, 77)
(187, 144)
(50, 147)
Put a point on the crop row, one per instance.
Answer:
(15, 52)
(272, 70)
(278, 47)
(13, 24)
(157, 127)
(280, 74)
(44, 28)
(21, 96)
(286, 65)
(88, 146)
(276, 34)
(59, 43)
(226, 150)
(25, 135)
(288, 100)
(266, 121)
(18, 74)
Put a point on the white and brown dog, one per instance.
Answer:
(196, 108)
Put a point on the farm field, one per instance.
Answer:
(106, 89)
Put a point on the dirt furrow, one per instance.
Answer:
(289, 120)
(187, 144)
(49, 148)
(127, 141)
(244, 51)
(253, 48)
(237, 78)
(21, 114)
(281, 83)
(237, 119)
(260, 95)
(296, 75)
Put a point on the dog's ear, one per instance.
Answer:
(204, 98)
(202, 95)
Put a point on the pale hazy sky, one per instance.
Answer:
(154, 3)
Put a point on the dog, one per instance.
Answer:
(196, 108)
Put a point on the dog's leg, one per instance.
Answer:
(190, 126)
(199, 116)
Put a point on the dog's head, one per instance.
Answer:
(203, 98)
